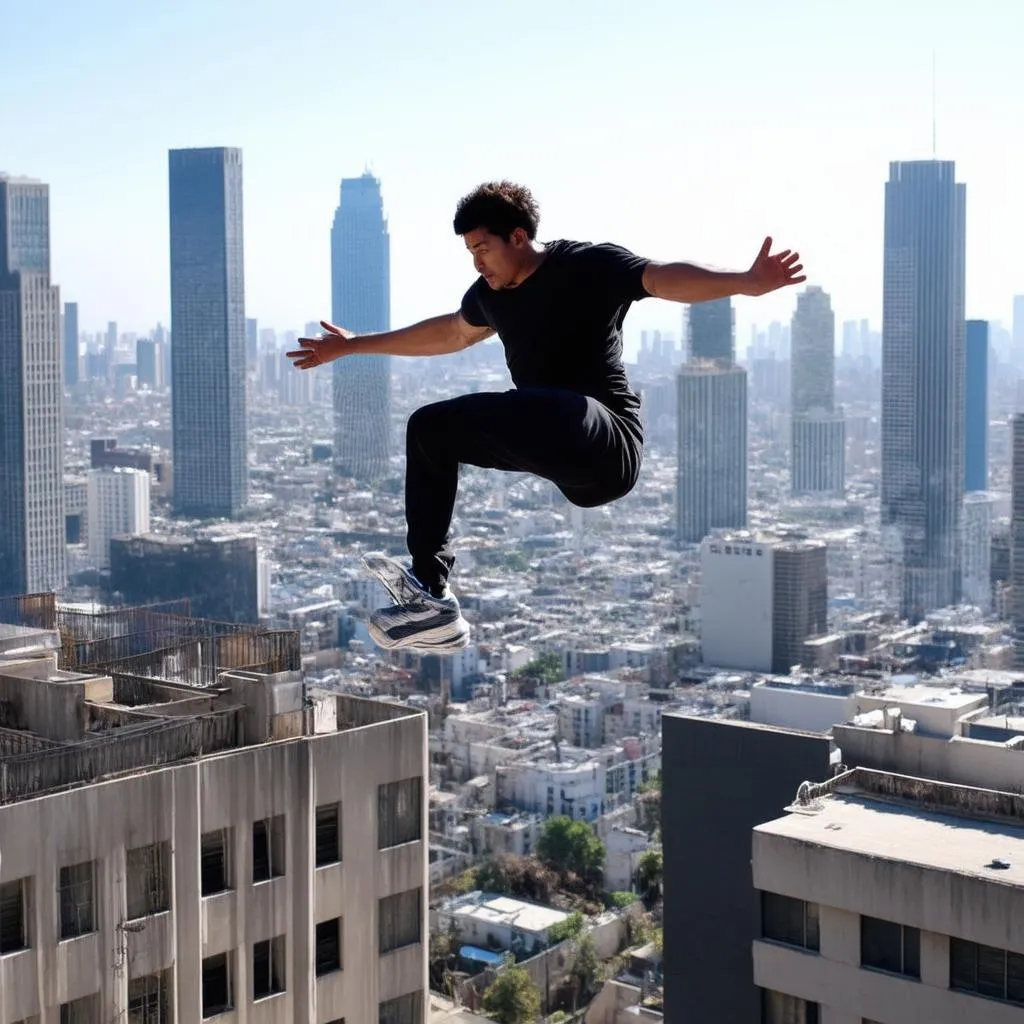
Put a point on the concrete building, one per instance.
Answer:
(711, 332)
(887, 898)
(979, 517)
(228, 865)
(711, 484)
(32, 527)
(118, 505)
(499, 922)
(72, 356)
(976, 406)
(623, 848)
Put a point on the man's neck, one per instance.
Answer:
(538, 253)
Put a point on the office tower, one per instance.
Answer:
(361, 301)
(979, 516)
(976, 406)
(1018, 330)
(208, 393)
(71, 356)
(1017, 539)
(260, 853)
(711, 484)
(710, 331)
(118, 506)
(923, 379)
(761, 599)
(252, 347)
(147, 364)
(32, 554)
(818, 449)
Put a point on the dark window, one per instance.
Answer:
(403, 1010)
(779, 1008)
(81, 1011)
(887, 946)
(148, 999)
(399, 919)
(328, 946)
(268, 848)
(399, 812)
(328, 834)
(794, 922)
(215, 863)
(268, 967)
(13, 916)
(77, 897)
(148, 876)
(986, 971)
(218, 985)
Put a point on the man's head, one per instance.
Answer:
(498, 222)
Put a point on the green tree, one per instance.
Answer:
(568, 846)
(585, 972)
(512, 998)
(547, 668)
(567, 929)
(649, 872)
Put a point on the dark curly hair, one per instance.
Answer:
(499, 207)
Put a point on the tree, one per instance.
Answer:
(524, 877)
(512, 998)
(568, 846)
(586, 971)
(567, 929)
(547, 668)
(649, 873)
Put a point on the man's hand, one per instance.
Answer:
(322, 349)
(769, 273)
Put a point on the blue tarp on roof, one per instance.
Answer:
(484, 956)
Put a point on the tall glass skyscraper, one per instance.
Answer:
(361, 301)
(32, 555)
(710, 331)
(923, 379)
(71, 356)
(976, 406)
(208, 393)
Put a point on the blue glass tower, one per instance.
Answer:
(361, 301)
(976, 407)
(208, 393)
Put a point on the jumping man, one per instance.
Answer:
(571, 418)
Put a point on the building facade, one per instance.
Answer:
(711, 332)
(208, 360)
(71, 354)
(118, 505)
(976, 406)
(1017, 539)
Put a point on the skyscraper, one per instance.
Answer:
(32, 555)
(923, 378)
(976, 406)
(71, 356)
(818, 434)
(361, 301)
(208, 393)
(711, 331)
(711, 483)
(1017, 539)
(1017, 359)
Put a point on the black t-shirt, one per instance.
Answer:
(562, 327)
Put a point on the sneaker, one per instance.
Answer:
(427, 623)
(401, 585)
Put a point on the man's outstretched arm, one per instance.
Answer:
(686, 282)
(434, 337)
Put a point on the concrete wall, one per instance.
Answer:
(177, 805)
(719, 780)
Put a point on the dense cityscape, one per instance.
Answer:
(795, 649)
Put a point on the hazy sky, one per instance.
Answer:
(681, 130)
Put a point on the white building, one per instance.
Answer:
(118, 506)
(499, 922)
(623, 848)
(979, 509)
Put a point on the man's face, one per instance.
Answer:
(496, 260)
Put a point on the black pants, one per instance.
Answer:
(591, 454)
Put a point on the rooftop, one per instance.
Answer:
(504, 910)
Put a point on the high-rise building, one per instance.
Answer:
(252, 346)
(148, 367)
(32, 529)
(711, 328)
(1018, 330)
(711, 484)
(71, 354)
(361, 301)
(979, 515)
(976, 406)
(799, 600)
(1017, 539)
(118, 506)
(923, 329)
(208, 371)
(818, 433)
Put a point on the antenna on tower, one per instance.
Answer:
(934, 112)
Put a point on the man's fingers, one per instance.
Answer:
(328, 326)
(766, 247)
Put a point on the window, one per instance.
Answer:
(794, 922)
(215, 864)
(81, 1011)
(399, 812)
(986, 971)
(77, 897)
(887, 946)
(268, 967)
(148, 874)
(218, 985)
(399, 918)
(268, 849)
(328, 834)
(403, 1010)
(779, 1008)
(148, 1000)
(13, 916)
(328, 946)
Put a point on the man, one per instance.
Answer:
(572, 417)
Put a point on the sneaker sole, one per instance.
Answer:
(438, 639)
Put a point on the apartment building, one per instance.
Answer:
(887, 899)
(249, 853)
